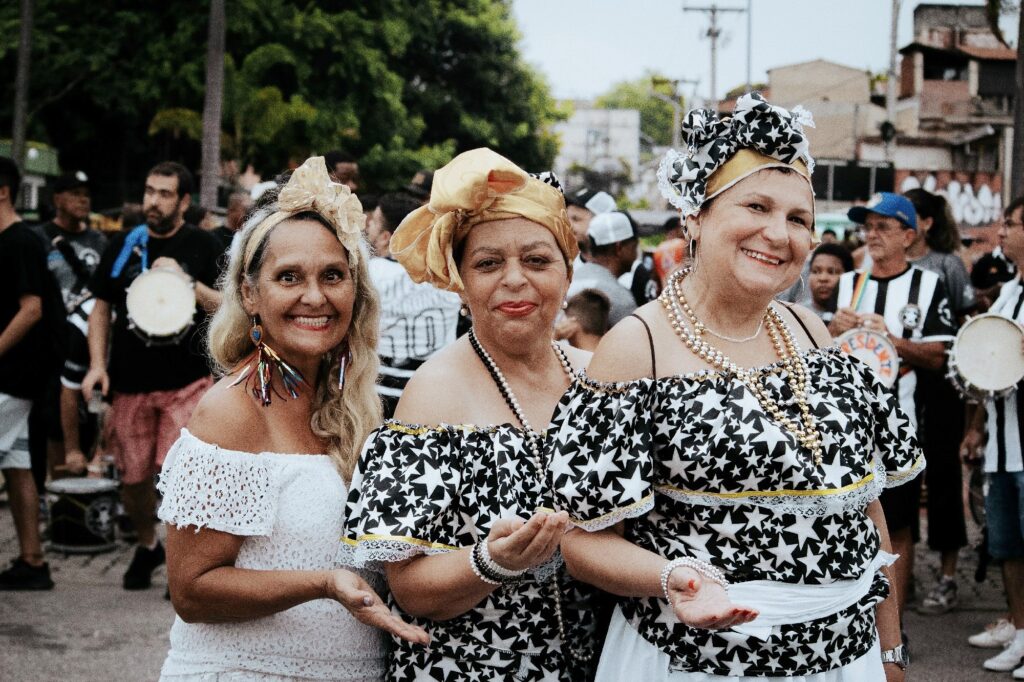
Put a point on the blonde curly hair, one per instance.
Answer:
(343, 420)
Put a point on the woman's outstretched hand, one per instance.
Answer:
(703, 603)
(516, 544)
(356, 595)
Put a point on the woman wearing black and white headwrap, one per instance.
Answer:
(720, 460)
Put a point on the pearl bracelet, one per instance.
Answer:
(705, 569)
(479, 570)
(493, 567)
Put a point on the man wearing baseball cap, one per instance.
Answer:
(581, 207)
(905, 303)
(612, 243)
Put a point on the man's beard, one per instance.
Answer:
(161, 225)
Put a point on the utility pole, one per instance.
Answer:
(21, 85)
(713, 34)
(890, 86)
(750, 24)
(673, 101)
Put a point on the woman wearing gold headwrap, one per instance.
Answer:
(254, 488)
(721, 461)
(452, 497)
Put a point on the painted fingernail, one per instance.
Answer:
(692, 584)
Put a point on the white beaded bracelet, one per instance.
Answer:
(493, 567)
(473, 559)
(702, 567)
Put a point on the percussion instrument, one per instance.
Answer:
(82, 518)
(873, 349)
(161, 304)
(986, 360)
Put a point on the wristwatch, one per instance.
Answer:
(898, 655)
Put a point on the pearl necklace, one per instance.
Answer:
(806, 430)
(534, 446)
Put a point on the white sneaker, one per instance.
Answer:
(1018, 674)
(995, 635)
(1008, 659)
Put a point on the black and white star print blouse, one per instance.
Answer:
(428, 490)
(700, 469)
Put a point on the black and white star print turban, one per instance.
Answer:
(768, 136)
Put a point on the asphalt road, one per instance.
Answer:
(89, 629)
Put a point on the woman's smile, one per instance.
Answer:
(762, 257)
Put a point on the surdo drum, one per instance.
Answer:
(82, 518)
(161, 304)
(986, 360)
(873, 349)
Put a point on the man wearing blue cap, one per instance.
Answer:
(906, 303)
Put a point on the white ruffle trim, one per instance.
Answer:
(799, 503)
(208, 487)
(372, 553)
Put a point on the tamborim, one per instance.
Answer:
(82, 517)
(873, 349)
(161, 304)
(986, 360)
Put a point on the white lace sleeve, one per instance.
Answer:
(209, 487)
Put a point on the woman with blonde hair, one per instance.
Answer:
(254, 489)
(451, 498)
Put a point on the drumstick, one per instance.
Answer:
(859, 288)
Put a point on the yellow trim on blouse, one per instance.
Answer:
(399, 538)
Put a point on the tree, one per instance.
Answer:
(994, 9)
(21, 83)
(401, 84)
(213, 100)
(656, 115)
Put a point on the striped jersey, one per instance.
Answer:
(914, 304)
(1005, 421)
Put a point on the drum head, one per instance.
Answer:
(873, 349)
(161, 303)
(81, 486)
(988, 353)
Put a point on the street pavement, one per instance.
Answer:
(89, 629)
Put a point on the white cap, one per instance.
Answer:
(602, 202)
(610, 228)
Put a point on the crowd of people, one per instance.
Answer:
(476, 416)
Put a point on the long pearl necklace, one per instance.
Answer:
(806, 430)
(533, 444)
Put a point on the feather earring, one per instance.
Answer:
(343, 363)
(259, 368)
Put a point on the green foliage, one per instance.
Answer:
(401, 84)
(656, 114)
(742, 89)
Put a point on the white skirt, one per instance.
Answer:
(628, 656)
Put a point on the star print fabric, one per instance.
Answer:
(698, 468)
(711, 141)
(429, 490)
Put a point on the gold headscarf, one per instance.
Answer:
(477, 186)
(310, 189)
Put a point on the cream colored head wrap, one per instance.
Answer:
(476, 187)
(310, 189)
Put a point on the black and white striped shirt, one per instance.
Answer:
(914, 304)
(1005, 418)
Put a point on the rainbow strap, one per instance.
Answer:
(859, 288)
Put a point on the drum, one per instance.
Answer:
(875, 350)
(161, 304)
(82, 519)
(986, 360)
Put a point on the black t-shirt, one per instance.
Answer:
(86, 247)
(991, 269)
(135, 367)
(24, 368)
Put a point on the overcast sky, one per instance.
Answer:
(584, 46)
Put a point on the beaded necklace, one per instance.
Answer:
(536, 449)
(806, 430)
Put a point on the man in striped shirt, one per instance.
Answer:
(1003, 419)
(907, 304)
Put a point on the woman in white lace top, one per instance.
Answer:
(254, 490)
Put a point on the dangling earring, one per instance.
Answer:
(464, 310)
(692, 251)
(259, 369)
(343, 363)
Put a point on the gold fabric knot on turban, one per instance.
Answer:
(477, 186)
(310, 189)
